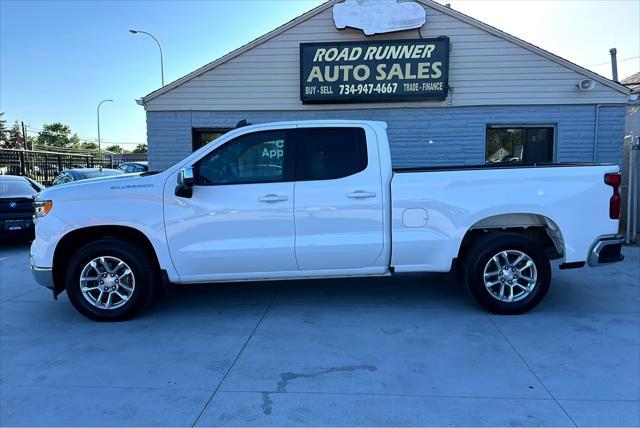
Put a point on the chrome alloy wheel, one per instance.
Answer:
(510, 276)
(107, 282)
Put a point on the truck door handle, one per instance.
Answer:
(361, 194)
(273, 198)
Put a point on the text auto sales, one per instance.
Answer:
(361, 72)
(381, 71)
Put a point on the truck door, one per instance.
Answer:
(239, 221)
(338, 205)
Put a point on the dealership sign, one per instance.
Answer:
(388, 70)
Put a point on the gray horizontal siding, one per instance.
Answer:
(611, 128)
(457, 134)
(168, 138)
(484, 70)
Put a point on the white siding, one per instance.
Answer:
(484, 70)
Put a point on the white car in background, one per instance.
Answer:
(378, 16)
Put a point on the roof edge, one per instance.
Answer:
(429, 3)
(524, 44)
(238, 51)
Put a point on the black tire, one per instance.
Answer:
(139, 264)
(489, 246)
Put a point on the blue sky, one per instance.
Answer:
(59, 59)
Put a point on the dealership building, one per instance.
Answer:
(453, 90)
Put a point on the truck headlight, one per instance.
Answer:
(42, 208)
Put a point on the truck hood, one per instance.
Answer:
(105, 187)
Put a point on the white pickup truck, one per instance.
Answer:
(318, 199)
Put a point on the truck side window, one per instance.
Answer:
(330, 153)
(253, 158)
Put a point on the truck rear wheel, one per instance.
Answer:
(507, 273)
(109, 280)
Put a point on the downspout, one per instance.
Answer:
(635, 157)
(630, 198)
(595, 133)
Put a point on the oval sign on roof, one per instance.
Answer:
(378, 16)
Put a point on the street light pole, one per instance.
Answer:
(159, 47)
(98, 110)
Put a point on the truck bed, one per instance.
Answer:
(571, 198)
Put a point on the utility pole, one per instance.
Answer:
(24, 136)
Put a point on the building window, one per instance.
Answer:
(203, 136)
(524, 145)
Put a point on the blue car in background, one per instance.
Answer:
(133, 167)
(70, 175)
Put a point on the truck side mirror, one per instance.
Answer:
(186, 180)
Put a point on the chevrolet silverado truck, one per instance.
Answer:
(320, 199)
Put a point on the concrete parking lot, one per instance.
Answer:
(408, 350)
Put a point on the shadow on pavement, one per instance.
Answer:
(15, 243)
(399, 290)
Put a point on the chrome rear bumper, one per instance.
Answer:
(606, 249)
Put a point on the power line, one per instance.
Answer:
(620, 60)
(27, 129)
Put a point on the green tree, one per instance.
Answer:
(56, 135)
(89, 145)
(13, 137)
(140, 148)
(115, 149)
(3, 130)
(74, 141)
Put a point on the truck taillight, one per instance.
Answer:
(614, 180)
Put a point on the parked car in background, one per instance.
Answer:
(70, 175)
(16, 205)
(130, 167)
(320, 199)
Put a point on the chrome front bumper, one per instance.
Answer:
(606, 250)
(43, 276)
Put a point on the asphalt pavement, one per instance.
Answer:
(404, 350)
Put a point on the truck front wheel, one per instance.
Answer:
(507, 273)
(109, 280)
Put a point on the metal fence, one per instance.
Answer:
(630, 189)
(43, 166)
